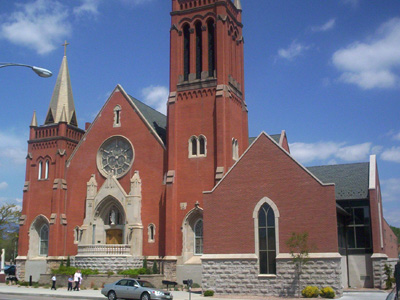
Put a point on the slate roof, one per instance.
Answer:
(275, 137)
(156, 119)
(351, 180)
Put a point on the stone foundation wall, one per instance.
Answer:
(108, 263)
(169, 269)
(92, 281)
(240, 276)
(378, 265)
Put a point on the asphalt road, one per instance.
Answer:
(33, 297)
(364, 296)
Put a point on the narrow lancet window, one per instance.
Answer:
(266, 240)
(186, 52)
(202, 145)
(198, 237)
(211, 48)
(44, 240)
(40, 170)
(46, 170)
(199, 51)
(117, 116)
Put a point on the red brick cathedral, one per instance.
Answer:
(186, 190)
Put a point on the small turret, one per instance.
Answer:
(238, 5)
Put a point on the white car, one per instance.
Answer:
(134, 289)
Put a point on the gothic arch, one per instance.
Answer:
(188, 231)
(38, 244)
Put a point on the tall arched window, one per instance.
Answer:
(46, 169)
(198, 237)
(199, 50)
(40, 167)
(44, 240)
(186, 52)
(202, 145)
(266, 240)
(235, 149)
(193, 143)
(211, 48)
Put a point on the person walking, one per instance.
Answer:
(77, 280)
(70, 281)
(53, 287)
(397, 277)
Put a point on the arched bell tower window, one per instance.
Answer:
(186, 52)
(211, 47)
(198, 237)
(199, 50)
(40, 167)
(198, 146)
(46, 170)
(117, 116)
(202, 145)
(235, 149)
(193, 146)
(44, 240)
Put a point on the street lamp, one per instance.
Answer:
(40, 71)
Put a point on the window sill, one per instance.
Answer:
(266, 275)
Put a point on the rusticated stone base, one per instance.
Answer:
(108, 263)
(240, 276)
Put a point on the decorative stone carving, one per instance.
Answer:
(91, 187)
(136, 185)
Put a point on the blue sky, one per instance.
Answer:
(327, 72)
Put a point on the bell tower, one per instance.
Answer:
(207, 114)
(43, 218)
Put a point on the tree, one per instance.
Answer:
(299, 250)
(9, 216)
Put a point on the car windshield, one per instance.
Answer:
(145, 284)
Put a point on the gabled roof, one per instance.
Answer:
(351, 180)
(156, 119)
(275, 137)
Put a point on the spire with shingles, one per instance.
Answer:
(238, 4)
(34, 120)
(62, 97)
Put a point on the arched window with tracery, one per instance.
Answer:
(44, 240)
(266, 240)
(186, 52)
(198, 237)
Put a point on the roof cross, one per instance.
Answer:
(65, 48)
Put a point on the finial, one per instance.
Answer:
(34, 120)
(65, 47)
(238, 5)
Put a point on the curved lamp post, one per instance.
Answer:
(40, 71)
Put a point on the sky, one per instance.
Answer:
(327, 72)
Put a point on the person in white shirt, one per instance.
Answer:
(53, 287)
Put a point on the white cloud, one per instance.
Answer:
(355, 152)
(156, 97)
(330, 152)
(3, 185)
(372, 64)
(325, 27)
(392, 154)
(136, 2)
(88, 7)
(39, 25)
(12, 149)
(295, 49)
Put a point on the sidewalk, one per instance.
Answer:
(178, 295)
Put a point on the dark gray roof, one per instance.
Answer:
(156, 119)
(351, 180)
(275, 137)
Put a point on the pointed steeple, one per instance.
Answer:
(62, 97)
(238, 4)
(34, 120)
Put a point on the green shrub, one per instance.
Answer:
(389, 279)
(109, 273)
(68, 261)
(24, 283)
(310, 292)
(195, 285)
(327, 292)
(89, 272)
(62, 270)
(208, 293)
(155, 269)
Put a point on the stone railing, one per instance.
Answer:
(101, 249)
